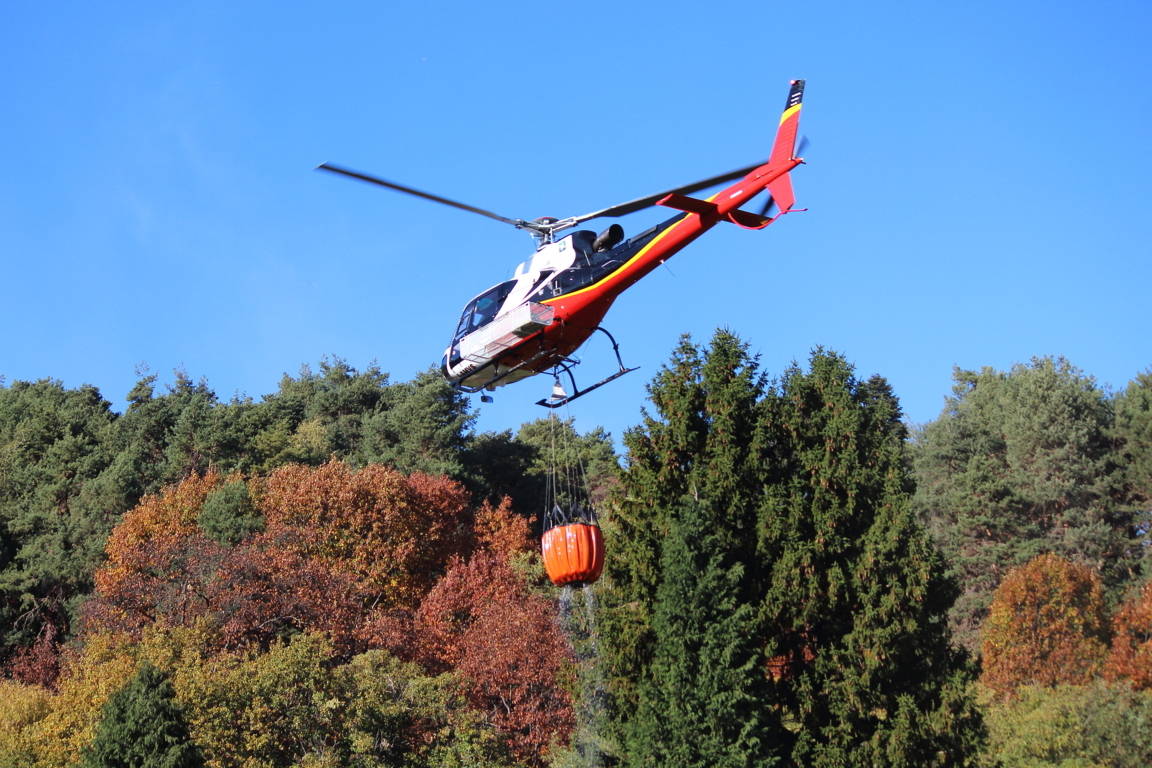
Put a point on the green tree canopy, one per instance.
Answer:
(1018, 464)
(228, 515)
(1072, 726)
(143, 727)
(1133, 433)
(767, 564)
(53, 443)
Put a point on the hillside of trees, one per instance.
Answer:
(346, 573)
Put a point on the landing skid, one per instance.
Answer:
(560, 398)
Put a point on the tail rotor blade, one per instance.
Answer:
(769, 204)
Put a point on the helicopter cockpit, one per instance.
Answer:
(558, 268)
(483, 309)
(580, 259)
(593, 257)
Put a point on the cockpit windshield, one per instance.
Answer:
(482, 310)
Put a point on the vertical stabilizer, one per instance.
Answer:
(785, 146)
(784, 149)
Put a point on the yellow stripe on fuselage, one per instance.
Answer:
(630, 261)
(789, 112)
(639, 254)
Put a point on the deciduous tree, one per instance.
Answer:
(507, 645)
(1096, 724)
(1047, 626)
(339, 544)
(1130, 657)
(394, 532)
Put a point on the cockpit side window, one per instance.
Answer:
(543, 277)
(588, 267)
(483, 309)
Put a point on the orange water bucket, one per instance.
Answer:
(573, 553)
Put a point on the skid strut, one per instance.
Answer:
(555, 402)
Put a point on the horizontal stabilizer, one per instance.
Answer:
(749, 220)
(689, 204)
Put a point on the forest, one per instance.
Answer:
(346, 573)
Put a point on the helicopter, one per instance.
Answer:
(555, 301)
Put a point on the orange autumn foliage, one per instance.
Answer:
(502, 532)
(1130, 658)
(338, 545)
(1046, 626)
(393, 532)
(159, 562)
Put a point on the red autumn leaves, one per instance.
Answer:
(372, 558)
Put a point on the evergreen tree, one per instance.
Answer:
(501, 464)
(1020, 464)
(228, 515)
(666, 464)
(53, 443)
(422, 425)
(703, 704)
(1133, 434)
(142, 726)
(857, 597)
(768, 568)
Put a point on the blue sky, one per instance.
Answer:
(978, 184)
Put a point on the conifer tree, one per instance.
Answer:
(1133, 438)
(1021, 463)
(771, 594)
(856, 597)
(53, 441)
(666, 465)
(143, 727)
(703, 704)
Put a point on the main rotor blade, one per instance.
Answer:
(643, 202)
(409, 190)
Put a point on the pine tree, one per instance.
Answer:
(228, 515)
(53, 442)
(143, 727)
(1133, 438)
(1021, 463)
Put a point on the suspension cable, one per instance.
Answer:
(567, 498)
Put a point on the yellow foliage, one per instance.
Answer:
(88, 679)
(45, 730)
(21, 707)
(256, 710)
